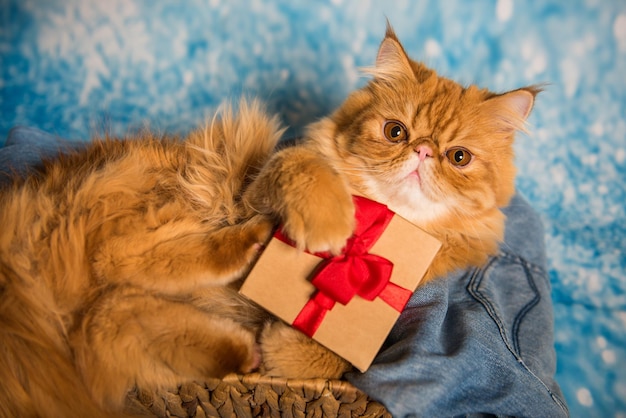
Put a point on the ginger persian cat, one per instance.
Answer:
(433, 151)
(120, 263)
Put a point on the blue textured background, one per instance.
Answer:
(75, 67)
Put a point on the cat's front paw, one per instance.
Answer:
(233, 248)
(289, 353)
(321, 221)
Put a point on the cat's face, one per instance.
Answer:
(425, 145)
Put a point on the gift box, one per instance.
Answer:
(348, 302)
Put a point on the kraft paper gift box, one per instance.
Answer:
(350, 302)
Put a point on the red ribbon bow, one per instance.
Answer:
(354, 272)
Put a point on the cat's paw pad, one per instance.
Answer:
(257, 232)
(254, 360)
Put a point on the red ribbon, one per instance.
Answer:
(354, 272)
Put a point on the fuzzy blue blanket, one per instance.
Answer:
(77, 67)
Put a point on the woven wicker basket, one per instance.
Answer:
(254, 395)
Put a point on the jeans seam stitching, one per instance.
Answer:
(527, 308)
(529, 265)
(473, 289)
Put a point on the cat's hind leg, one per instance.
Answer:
(289, 353)
(131, 338)
(182, 255)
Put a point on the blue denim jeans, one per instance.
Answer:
(476, 343)
(25, 147)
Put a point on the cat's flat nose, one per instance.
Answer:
(424, 151)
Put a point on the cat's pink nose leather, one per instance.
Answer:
(424, 151)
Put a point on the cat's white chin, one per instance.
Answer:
(411, 203)
(406, 198)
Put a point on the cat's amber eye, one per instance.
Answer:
(459, 157)
(395, 131)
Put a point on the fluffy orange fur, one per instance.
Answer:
(106, 257)
(120, 263)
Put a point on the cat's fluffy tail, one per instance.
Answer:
(37, 377)
(233, 146)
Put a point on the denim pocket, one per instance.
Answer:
(508, 291)
(516, 295)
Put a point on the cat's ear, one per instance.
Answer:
(509, 111)
(392, 61)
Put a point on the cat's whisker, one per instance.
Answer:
(360, 170)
